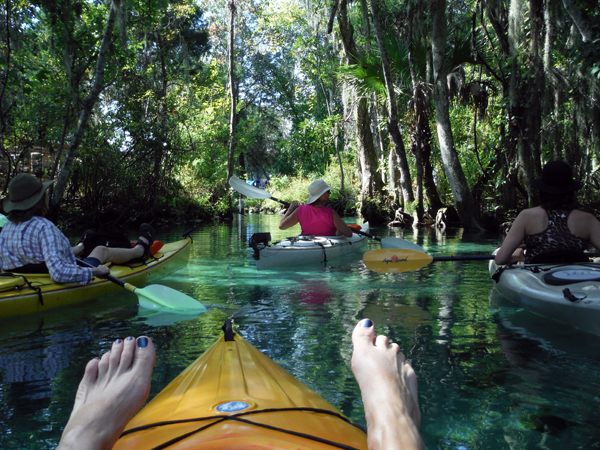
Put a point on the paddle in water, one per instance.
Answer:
(157, 296)
(253, 192)
(407, 260)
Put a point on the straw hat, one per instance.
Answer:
(557, 178)
(316, 189)
(24, 191)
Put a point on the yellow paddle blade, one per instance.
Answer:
(395, 260)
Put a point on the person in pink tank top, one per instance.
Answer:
(315, 218)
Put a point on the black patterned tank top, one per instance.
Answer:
(557, 236)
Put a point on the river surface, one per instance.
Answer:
(491, 375)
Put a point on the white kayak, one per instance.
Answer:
(303, 249)
(569, 293)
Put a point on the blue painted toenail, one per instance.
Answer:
(142, 342)
(367, 323)
(118, 341)
(129, 338)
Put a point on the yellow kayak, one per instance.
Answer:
(234, 397)
(28, 293)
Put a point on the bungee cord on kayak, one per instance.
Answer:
(238, 417)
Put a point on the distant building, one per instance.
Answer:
(38, 160)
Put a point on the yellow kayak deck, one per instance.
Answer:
(28, 293)
(235, 397)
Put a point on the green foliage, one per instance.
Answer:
(309, 148)
(366, 76)
(158, 138)
(295, 188)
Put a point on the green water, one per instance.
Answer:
(491, 376)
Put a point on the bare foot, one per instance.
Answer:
(112, 390)
(388, 385)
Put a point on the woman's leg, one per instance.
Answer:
(112, 390)
(123, 255)
(117, 255)
(388, 385)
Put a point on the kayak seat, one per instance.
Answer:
(571, 276)
(40, 268)
(154, 248)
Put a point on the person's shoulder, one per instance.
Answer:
(579, 215)
(532, 213)
(41, 221)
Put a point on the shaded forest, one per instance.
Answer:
(141, 111)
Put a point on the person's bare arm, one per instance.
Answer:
(342, 228)
(506, 254)
(594, 228)
(290, 218)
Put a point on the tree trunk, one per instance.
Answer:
(88, 105)
(392, 119)
(535, 89)
(420, 116)
(518, 98)
(596, 120)
(463, 200)
(337, 142)
(371, 179)
(557, 149)
(232, 112)
(393, 179)
(581, 20)
(549, 124)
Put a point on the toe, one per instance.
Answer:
(127, 355)
(364, 332)
(91, 371)
(383, 341)
(145, 354)
(103, 364)
(115, 356)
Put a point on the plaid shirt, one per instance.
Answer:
(36, 241)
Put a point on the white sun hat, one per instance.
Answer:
(316, 189)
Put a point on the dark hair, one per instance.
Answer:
(39, 209)
(567, 201)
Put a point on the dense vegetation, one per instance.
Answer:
(145, 109)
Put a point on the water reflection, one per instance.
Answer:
(491, 376)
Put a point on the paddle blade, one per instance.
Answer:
(395, 260)
(249, 191)
(157, 296)
(393, 242)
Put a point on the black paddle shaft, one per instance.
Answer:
(284, 203)
(488, 257)
(463, 258)
(362, 233)
(109, 277)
